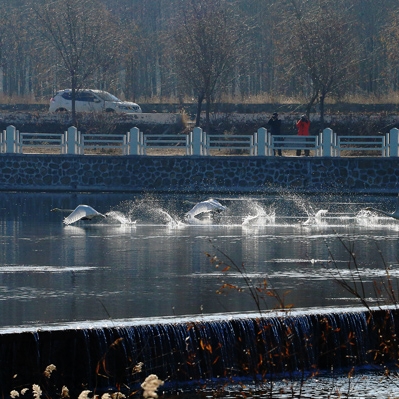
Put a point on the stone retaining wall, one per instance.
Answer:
(225, 174)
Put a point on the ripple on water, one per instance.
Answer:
(43, 269)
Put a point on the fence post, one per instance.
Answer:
(134, 141)
(262, 134)
(71, 140)
(11, 138)
(197, 141)
(269, 144)
(326, 142)
(393, 142)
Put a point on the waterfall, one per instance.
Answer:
(189, 351)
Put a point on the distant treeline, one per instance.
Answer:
(143, 68)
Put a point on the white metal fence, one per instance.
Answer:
(238, 143)
(371, 144)
(294, 143)
(164, 142)
(44, 141)
(134, 142)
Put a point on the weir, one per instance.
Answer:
(192, 350)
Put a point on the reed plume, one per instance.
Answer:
(64, 392)
(49, 369)
(37, 392)
(84, 394)
(150, 386)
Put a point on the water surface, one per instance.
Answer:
(146, 260)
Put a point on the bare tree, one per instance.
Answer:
(15, 51)
(261, 69)
(391, 44)
(287, 34)
(143, 47)
(322, 51)
(83, 34)
(373, 23)
(208, 42)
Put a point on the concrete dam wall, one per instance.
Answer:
(202, 174)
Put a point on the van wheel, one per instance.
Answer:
(109, 110)
(61, 110)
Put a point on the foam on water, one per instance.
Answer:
(42, 269)
(120, 217)
(288, 209)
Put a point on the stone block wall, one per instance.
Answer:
(224, 174)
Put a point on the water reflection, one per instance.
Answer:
(157, 266)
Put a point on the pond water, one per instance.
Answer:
(146, 260)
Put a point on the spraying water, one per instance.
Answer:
(260, 216)
(317, 218)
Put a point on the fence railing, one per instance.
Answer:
(44, 141)
(197, 142)
(294, 143)
(98, 143)
(231, 143)
(376, 144)
(170, 141)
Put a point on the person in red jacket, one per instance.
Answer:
(303, 130)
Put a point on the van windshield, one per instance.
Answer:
(104, 95)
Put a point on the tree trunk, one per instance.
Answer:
(311, 102)
(73, 83)
(200, 99)
(322, 98)
(207, 113)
